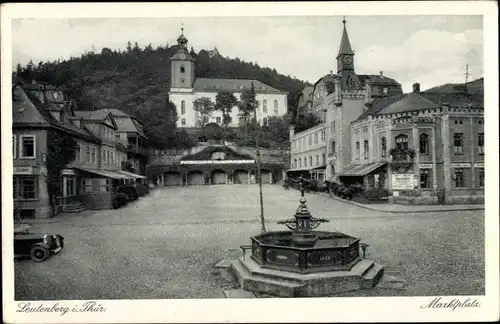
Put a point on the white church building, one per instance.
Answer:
(185, 88)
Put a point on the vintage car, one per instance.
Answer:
(39, 247)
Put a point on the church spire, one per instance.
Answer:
(345, 45)
(182, 40)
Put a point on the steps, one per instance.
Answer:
(371, 276)
(75, 207)
(364, 275)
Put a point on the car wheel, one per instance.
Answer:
(39, 253)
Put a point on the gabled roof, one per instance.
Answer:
(125, 122)
(233, 85)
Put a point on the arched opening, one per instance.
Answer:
(240, 176)
(172, 179)
(219, 177)
(266, 176)
(195, 178)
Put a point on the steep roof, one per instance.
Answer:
(124, 121)
(98, 115)
(457, 99)
(345, 45)
(233, 85)
(421, 101)
(377, 79)
(409, 102)
(28, 110)
(378, 104)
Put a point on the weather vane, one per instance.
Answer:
(182, 28)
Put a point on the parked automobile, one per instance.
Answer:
(39, 247)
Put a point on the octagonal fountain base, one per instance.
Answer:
(252, 277)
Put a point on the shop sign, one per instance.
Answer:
(425, 166)
(219, 162)
(460, 165)
(23, 170)
(479, 165)
(402, 181)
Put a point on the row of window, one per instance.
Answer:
(27, 147)
(109, 133)
(298, 163)
(402, 143)
(458, 181)
(264, 107)
(88, 154)
(306, 141)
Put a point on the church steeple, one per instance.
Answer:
(182, 40)
(345, 45)
(345, 62)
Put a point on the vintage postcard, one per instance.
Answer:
(250, 162)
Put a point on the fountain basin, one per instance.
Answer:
(332, 251)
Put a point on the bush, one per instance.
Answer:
(120, 199)
(374, 194)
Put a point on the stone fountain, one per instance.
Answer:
(303, 262)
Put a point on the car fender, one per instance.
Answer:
(42, 244)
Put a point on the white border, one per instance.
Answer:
(265, 310)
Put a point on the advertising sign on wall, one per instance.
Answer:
(403, 181)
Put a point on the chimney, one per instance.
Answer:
(416, 87)
(381, 74)
(331, 72)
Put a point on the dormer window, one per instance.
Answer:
(182, 69)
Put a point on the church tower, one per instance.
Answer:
(182, 65)
(345, 63)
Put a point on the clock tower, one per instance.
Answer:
(345, 63)
(182, 66)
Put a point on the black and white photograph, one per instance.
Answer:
(190, 154)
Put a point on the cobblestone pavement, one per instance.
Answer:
(166, 244)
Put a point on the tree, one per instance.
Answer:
(247, 106)
(205, 107)
(305, 121)
(224, 102)
(129, 46)
(61, 150)
(277, 132)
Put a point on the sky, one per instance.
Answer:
(431, 50)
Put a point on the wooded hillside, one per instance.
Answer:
(136, 80)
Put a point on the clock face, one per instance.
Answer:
(182, 56)
(347, 59)
(55, 95)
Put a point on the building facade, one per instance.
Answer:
(185, 88)
(424, 148)
(213, 164)
(339, 99)
(42, 113)
(309, 152)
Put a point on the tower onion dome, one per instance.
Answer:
(182, 40)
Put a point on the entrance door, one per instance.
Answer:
(172, 179)
(69, 186)
(266, 176)
(218, 177)
(241, 176)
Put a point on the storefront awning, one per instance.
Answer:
(106, 173)
(360, 170)
(307, 169)
(131, 174)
